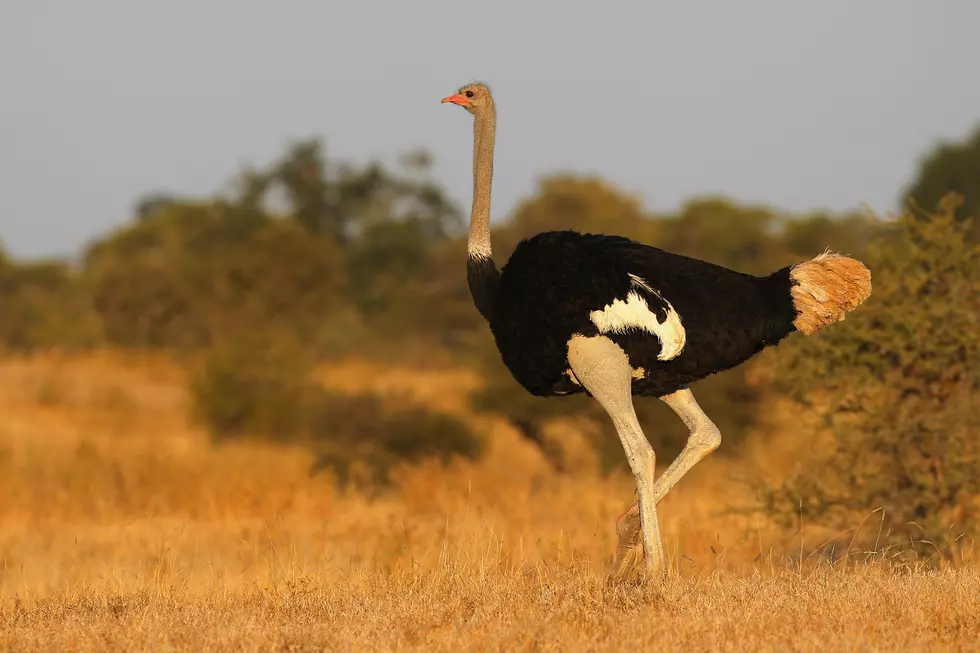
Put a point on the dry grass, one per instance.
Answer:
(123, 529)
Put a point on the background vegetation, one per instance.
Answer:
(312, 260)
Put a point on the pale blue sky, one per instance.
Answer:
(801, 105)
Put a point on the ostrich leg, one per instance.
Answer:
(604, 370)
(704, 438)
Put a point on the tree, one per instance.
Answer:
(586, 204)
(383, 261)
(341, 200)
(150, 203)
(903, 376)
(743, 238)
(951, 167)
(193, 271)
(848, 234)
(43, 306)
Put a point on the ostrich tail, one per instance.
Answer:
(825, 288)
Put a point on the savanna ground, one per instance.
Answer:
(122, 528)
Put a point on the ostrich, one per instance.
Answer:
(614, 318)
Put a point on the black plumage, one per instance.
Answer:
(553, 281)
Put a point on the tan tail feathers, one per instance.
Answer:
(826, 288)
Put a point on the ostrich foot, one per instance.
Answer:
(630, 553)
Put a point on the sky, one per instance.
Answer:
(803, 106)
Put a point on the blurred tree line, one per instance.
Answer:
(312, 258)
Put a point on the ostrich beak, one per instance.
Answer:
(456, 99)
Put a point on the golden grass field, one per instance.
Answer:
(124, 529)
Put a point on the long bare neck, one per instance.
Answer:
(481, 273)
(484, 127)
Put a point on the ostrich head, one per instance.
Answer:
(474, 97)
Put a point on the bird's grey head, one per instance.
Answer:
(474, 97)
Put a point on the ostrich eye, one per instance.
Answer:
(468, 93)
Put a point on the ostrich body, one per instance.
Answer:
(614, 318)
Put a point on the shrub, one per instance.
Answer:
(260, 385)
(364, 431)
(43, 306)
(904, 373)
(193, 274)
(253, 384)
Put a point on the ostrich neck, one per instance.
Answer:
(483, 137)
(481, 273)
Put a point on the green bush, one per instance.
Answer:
(44, 306)
(193, 274)
(254, 384)
(951, 166)
(348, 430)
(904, 373)
(260, 386)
